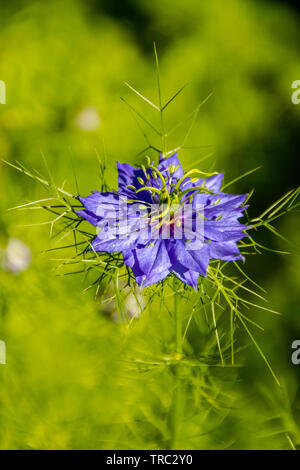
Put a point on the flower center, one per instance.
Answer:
(165, 188)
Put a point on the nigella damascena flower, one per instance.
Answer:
(164, 221)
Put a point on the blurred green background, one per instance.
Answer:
(66, 384)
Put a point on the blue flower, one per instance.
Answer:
(129, 221)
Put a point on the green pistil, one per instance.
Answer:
(160, 176)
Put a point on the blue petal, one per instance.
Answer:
(187, 276)
(224, 225)
(217, 235)
(112, 245)
(227, 251)
(153, 257)
(227, 216)
(128, 174)
(96, 199)
(97, 205)
(149, 264)
(152, 278)
(89, 216)
(164, 164)
(195, 260)
(225, 202)
(213, 183)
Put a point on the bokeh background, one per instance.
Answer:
(66, 384)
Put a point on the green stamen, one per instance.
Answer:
(190, 173)
(148, 188)
(197, 189)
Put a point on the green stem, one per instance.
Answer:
(178, 326)
(177, 398)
